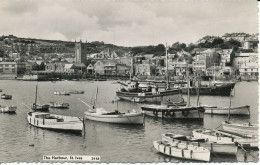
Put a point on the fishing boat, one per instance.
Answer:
(134, 91)
(224, 137)
(214, 90)
(76, 91)
(243, 129)
(55, 122)
(39, 107)
(59, 105)
(5, 96)
(100, 114)
(61, 93)
(182, 150)
(219, 148)
(240, 110)
(8, 109)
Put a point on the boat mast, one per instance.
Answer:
(167, 77)
(131, 67)
(36, 91)
(198, 91)
(188, 82)
(229, 105)
(95, 102)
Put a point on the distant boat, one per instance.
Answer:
(55, 122)
(100, 114)
(1, 90)
(217, 89)
(8, 109)
(241, 110)
(39, 107)
(59, 105)
(61, 93)
(76, 91)
(218, 148)
(5, 96)
(224, 137)
(181, 150)
(243, 129)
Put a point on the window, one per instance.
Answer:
(245, 69)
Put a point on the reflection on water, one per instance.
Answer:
(113, 142)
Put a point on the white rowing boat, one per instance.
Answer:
(61, 93)
(241, 110)
(55, 122)
(99, 114)
(243, 129)
(182, 150)
(59, 105)
(8, 109)
(223, 137)
(219, 148)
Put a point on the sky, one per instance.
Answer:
(127, 22)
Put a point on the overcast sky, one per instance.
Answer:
(125, 22)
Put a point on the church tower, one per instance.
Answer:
(80, 52)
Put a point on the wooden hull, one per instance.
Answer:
(130, 118)
(76, 92)
(60, 106)
(61, 93)
(8, 109)
(219, 90)
(218, 137)
(175, 150)
(173, 95)
(69, 124)
(174, 113)
(242, 110)
(7, 97)
(243, 129)
(40, 107)
(218, 148)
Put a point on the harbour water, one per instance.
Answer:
(113, 142)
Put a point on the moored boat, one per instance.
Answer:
(61, 93)
(39, 107)
(76, 91)
(1, 90)
(59, 105)
(218, 148)
(100, 114)
(223, 137)
(174, 112)
(115, 117)
(243, 129)
(241, 110)
(55, 122)
(5, 96)
(181, 150)
(8, 109)
(216, 89)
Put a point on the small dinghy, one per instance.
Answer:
(39, 107)
(241, 110)
(8, 109)
(243, 129)
(61, 93)
(219, 148)
(224, 137)
(99, 114)
(5, 96)
(76, 92)
(59, 105)
(182, 150)
(55, 122)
